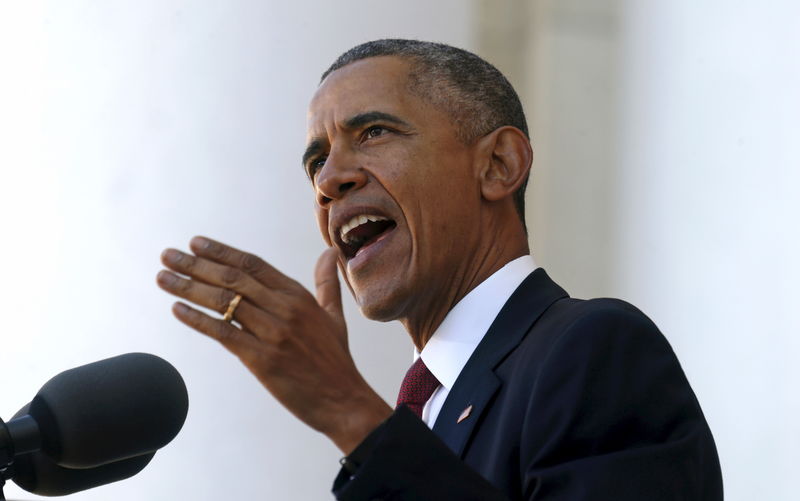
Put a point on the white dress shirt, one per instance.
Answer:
(450, 347)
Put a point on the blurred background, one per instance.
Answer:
(666, 173)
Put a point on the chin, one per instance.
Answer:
(382, 305)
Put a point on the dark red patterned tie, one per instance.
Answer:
(418, 386)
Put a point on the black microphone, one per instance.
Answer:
(40, 475)
(105, 413)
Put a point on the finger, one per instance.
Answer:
(214, 298)
(249, 263)
(220, 275)
(235, 340)
(326, 278)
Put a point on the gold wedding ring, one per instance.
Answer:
(228, 316)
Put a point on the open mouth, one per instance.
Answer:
(362, 231)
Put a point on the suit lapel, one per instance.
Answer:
(477, 383)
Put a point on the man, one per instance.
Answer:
(418, 154)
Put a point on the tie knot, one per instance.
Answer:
(417, 387)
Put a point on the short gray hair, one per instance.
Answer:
(473, 92)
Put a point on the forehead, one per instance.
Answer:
(372, 84)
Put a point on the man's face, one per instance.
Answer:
(396, 190)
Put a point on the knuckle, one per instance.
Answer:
(296, 319)
(221, 331)
(218, 250)
(251, 263)
(280, 338)
(283, 310)
(231, 276)
(298, 295)
(183, 286)
(188, 263)
(224, 298)
(325, 282)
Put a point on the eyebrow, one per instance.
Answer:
(354, 122)
(363, 119)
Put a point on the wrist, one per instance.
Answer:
(358, 420)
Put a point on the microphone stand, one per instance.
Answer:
(6, 456)
(15, 440)
(5, 472)
(7, 469)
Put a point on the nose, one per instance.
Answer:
(338, 176)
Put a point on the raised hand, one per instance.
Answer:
(294, 344)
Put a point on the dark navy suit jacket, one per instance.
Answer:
(571, 400)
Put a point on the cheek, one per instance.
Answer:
(407, 177)
(322, 222)
(449, 207)
(432, 188)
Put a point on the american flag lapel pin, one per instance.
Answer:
(465, 414)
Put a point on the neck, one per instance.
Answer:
(479, 265)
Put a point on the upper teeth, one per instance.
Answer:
(357, 221)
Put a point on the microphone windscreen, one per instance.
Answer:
(106, 411)
(38, 474)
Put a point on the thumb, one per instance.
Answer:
(326, 279)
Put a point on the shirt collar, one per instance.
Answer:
(453, 342)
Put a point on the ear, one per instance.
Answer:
(505, 162)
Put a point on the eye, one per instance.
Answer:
(375, 131)
(315, 165)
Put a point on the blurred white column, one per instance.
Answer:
(562, 57)
(708, 208)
